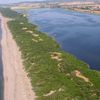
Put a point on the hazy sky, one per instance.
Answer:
(13, 1)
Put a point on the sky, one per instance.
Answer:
(14, 1)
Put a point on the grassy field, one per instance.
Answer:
(54, 74)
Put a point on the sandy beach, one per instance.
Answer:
(86, 11)
(17, 85)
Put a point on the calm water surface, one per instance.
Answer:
(77, 33)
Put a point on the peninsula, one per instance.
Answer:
(53, 73)
(86, 7)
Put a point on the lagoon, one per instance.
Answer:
(77, 33)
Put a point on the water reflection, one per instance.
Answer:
(77, 33)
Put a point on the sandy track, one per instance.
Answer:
(16, 83)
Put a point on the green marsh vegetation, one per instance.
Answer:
(54, 74)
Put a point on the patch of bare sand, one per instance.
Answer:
(34, 40)
(29, 31)
(40, 39)
(56, 56)
(17, 85)
(78, 74)
(50, 93)
(24, 28)
(54, 91)
(21, 23)
(35, 35)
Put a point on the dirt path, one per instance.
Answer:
(16, 83)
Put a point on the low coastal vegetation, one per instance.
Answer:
(54, 74)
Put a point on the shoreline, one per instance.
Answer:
(38, 29)
(85, 11)
(16, 83)
(1, 69)
(53, 73)
(93, 12)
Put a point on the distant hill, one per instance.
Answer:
(98, 1)
(28, 2)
